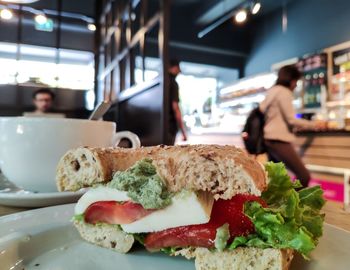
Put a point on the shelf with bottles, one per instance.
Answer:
(314, 89)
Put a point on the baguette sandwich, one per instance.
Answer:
(211, 203)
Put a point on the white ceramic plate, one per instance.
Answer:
(11, 195)
(25, 199)
(45, 239)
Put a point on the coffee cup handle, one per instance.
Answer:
(135, 140)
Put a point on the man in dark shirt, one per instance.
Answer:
(175, 117)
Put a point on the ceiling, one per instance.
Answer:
(207, 11)
(85, 7)
(271, 5)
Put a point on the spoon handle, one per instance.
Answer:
(100, 110)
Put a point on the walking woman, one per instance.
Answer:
(280, 122)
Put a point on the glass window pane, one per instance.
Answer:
(37, 66)
(8, 53)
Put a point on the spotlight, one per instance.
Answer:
(6, 14)
(241, 16)
(91, 27)
(41, 18)
(256, 8)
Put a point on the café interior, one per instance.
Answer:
(118, 53)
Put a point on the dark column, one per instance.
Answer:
(163, 44)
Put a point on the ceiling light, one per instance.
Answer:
(256, 8)
(241, 16)
(41, 19)
(91, 27)
(6, 14)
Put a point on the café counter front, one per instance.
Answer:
(327, 155)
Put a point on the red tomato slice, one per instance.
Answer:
(193, 235)
(203, 235)
(112, 212)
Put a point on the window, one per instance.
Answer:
(45, 66)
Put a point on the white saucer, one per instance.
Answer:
(11, 195)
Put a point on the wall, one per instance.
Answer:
(225, 46)
(312, 26)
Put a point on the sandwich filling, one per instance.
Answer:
(140, 203)
(143, 185)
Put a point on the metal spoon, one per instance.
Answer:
(100, 110)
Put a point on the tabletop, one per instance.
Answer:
(335, 215)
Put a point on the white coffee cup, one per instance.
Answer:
(30, 148)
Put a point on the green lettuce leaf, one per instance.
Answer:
(250, 240)
(292, 218)
(139, 237)
(79, 217)
(170, 250)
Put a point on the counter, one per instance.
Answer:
(327, 155)
(329, 148)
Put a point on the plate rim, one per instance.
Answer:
(52, 212)
(32, 195)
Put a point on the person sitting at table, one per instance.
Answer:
(43, 99)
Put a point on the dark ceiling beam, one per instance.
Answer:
(201, 48)
(214, 9)
(206, 49)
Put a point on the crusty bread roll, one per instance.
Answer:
(104, 235)
(222, 170)
(247, 258)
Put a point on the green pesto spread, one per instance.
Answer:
(143, 185)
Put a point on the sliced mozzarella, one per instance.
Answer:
(97, 195)
(186, 208)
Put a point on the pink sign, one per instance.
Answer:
(332, 191)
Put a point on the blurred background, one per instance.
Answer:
(88, 51)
